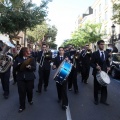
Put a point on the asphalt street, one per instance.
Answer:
(45, 106)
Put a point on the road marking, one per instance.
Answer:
(68, 114)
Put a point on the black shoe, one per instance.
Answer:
(70, 89)
(45, 89)
(21, 110)
(86, 82)
(38, 91)
(14, 83)
(105, 103)
(82, 81)
(64, 107)
(99, 91)
(59, 101)
(6, 96)
(31, 102)
(96, 102)
(76, 91)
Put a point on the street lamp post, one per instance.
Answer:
(113, 34)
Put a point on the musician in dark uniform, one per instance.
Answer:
(61, 89)
(5, 77)
(100, 62)
(72, 79)
(44, 59)
(85, 58)
(25, 66)
(15, 56)
(33, 53)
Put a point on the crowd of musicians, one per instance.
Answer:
(25, 62)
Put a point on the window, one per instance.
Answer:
(105, 30)
(100, 8)
(95, 12)
(106, 15)
(106, 1)
(99, 19)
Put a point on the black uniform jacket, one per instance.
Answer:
(26, 74)
(96, 59)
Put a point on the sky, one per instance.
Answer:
(63, 14)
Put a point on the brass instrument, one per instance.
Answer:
(45, 54)
(88, 51)
(76, 56)
(5, 60)
(42, 59)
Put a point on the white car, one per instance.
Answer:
(54, 53)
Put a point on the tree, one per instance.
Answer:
(88, 33)
(21, 16)
(37, 33)
(116, 16)
(43, 33)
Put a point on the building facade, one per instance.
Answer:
(102, 13)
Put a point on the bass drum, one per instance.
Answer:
(103, 78)
(62, 72)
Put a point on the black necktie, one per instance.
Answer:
(61, 58)
(102, 56)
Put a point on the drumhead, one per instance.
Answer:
(105, 77)
(56, 73)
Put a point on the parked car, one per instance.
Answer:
(54, 53)
(115, 65)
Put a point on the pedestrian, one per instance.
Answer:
(5, 74)
(100, 61)
(72, 79)
(61, 88)
(44, 59)
(85, 57)
(25, 67)
(14, 57)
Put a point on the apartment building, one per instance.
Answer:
(102, 13)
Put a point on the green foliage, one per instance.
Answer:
(116, 16)
(88, 33)
(43, 32)
(17, 16)
(37, 33)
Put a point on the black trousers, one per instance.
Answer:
(5, 81)
(103, 90)
(62, 92)
(43, 78)
(25, 88)
(72, 80)
(85, 72)
(14, 74)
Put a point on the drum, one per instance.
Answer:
(103, 78)
(62, 72)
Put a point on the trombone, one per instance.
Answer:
(42, 59)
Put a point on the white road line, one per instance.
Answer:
(68, 114)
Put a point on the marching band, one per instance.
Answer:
(68, 64)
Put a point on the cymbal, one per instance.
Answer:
(25, 63)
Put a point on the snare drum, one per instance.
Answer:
(103, 78)
(62, 72)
